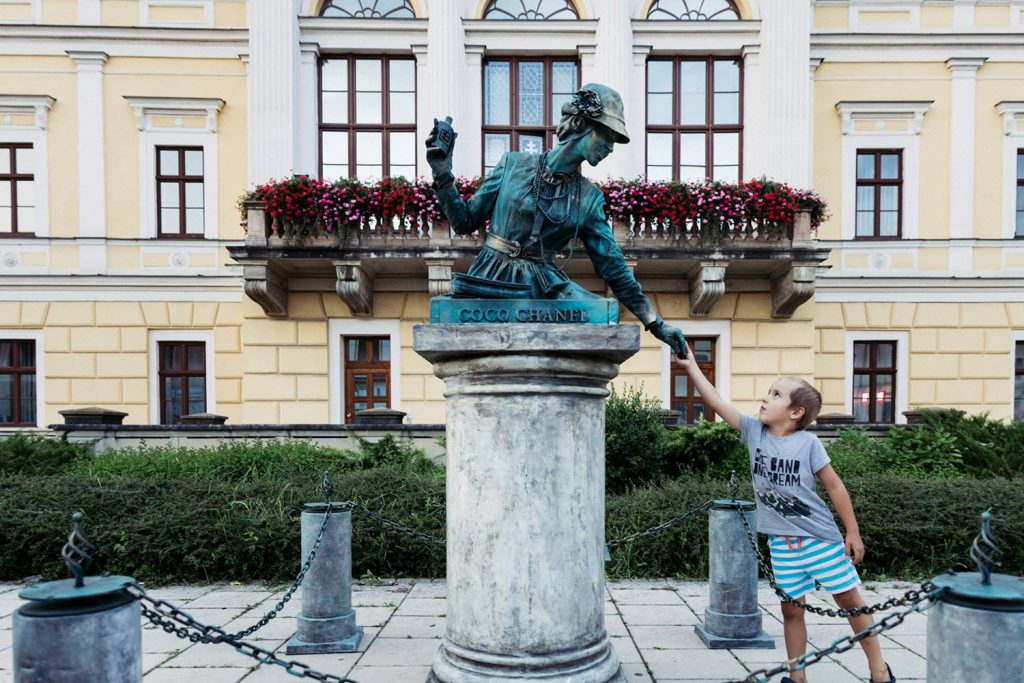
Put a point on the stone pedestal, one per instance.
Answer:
(525, 508)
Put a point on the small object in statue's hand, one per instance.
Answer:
(444, 135)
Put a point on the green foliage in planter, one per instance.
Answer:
(634, 440)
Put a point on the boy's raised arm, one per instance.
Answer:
(726, 410)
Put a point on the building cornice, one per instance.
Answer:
(913, 111)
(1013, 114)
(146, 107)
(36, 105)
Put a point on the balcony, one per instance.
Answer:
(406, 253)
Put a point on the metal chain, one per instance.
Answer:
(890, 621)
(908, 598)
(173, 620)
(295, 584)
(661, 527)
(362, 509)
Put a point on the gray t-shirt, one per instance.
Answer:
(783, 469)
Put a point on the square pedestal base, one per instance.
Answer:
(301, 647)
(761, 640)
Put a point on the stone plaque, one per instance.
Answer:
(597, 311)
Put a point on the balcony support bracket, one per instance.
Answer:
(268, 287)
(355, 287)
(707, 286)
(792, 288)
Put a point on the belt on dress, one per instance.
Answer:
(514, 249)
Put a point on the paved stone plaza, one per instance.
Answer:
(650, 622)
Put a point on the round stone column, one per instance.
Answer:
(525, 498)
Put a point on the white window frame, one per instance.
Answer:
(146, 6)
(909, 141)
(146, 108)
(722, 330)
(1013, 140)
(1016, 337)
(337, 329)
(35, 134)
(37, 337)
(37, 11)
(157, 336)
(902, 339)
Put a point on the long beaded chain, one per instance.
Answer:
(572, 194)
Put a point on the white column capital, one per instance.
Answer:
(640, 54)
(814, 63)
(88, 61)
(965, 66)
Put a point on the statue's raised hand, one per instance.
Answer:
(440, 144)
(670, 335)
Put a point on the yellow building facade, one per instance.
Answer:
(129, 128)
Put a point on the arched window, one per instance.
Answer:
(530, 10)
(693, 10)
(368, 9)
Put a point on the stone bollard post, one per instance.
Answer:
(732, 618)
(80, 629)
(525, 501)
(327, 623)
(976, 629)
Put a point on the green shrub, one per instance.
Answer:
(31, 454)
(855, 454)
(187, 529)
(634, 440)
(392, 451)
(713, 448)
(988, 447)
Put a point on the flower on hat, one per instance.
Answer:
(586, 103)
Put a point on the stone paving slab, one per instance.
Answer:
(650, 623)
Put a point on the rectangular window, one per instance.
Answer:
(17, 383)
(182, 380)
(874, 381)
(1018, 381)
(1019, 230)
(367, 117)
(179, 190)
(694, 119)
(367, 363)
(523, 101)
(685, 397)
(17, 191)
(879, 193)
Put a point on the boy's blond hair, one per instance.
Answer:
(805, 396)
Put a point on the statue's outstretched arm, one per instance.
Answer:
(464, 217)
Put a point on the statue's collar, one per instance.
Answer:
(550, 176)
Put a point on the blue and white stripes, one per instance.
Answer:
(799, 561)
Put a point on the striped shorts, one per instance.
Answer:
(800, 561)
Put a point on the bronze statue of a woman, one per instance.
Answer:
(540, 203)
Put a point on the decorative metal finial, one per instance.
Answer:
(77, 552)
(326, 488)
(732, 485)
(984, 551)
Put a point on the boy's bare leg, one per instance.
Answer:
(794, 629)
(876, 664)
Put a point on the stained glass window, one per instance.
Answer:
(368, 9)
(693, 10)
(530, 10)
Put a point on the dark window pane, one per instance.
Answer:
(681, 386)
(1018, 356)
(359, 406)
(357, 349)
(865, 166)
(1018, 398)
(170, 357)
(883, 398)
(380, 404)
(6, 398)
(6, 354)
(861, 397)
(196, 357)
(698, 411)
(684, 413)
(1020, 165)
(196, 395)
(861, 354)
(172, 399)
(380, 386)
(28, 398)
(382, 349)
(885, 355)
(702, 350)
(26, 354)
(359, 385)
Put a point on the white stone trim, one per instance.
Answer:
(341, 327)
(146, 7)
(1013, 140)
(902, 339)
(963, 106)
(92, 193)
(37, 11)
(867, 7)
(307, 157)
(36, 336)
(156, 336)
(722, 329)
(909, 141)
(36, 135)
(230, 296)
(856, 293)
(150, 138)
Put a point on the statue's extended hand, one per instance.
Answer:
(440, 145)
(672, 336)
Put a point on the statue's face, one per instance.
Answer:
(598, 144)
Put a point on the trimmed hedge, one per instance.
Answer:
(184, 529)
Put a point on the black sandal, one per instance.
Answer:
(891, 679)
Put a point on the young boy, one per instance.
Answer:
(805, 543)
